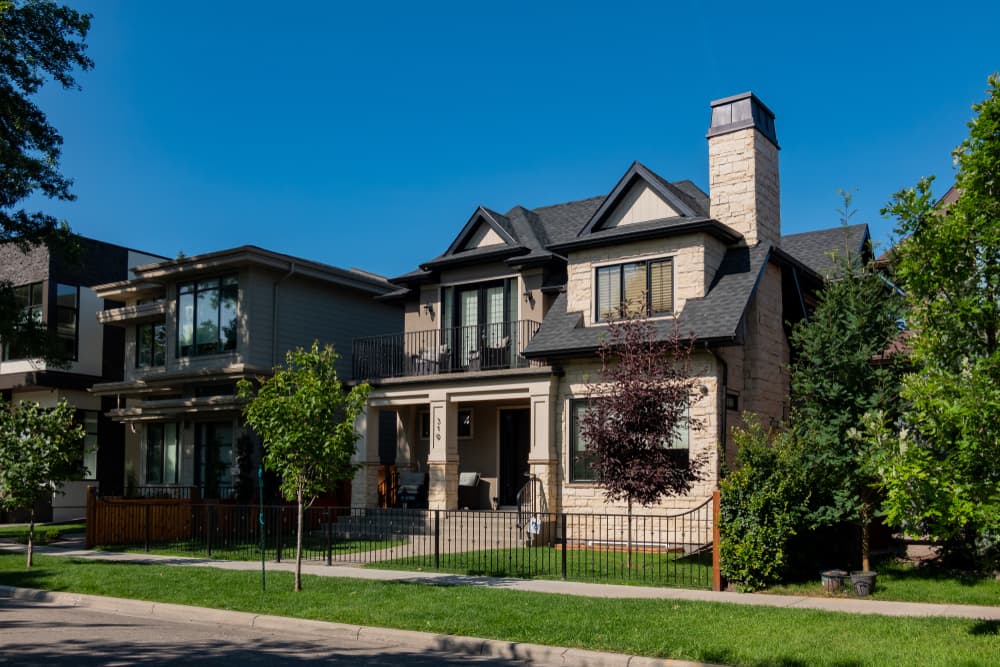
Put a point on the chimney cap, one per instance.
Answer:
(738, 112)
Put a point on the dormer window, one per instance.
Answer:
(645, 287)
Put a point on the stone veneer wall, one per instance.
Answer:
(696, 257)
(743, 184)
(584, 497)
(766, 350)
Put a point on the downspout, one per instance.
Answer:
(724, 391)
(274, 312)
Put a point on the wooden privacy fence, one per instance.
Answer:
(670, 549)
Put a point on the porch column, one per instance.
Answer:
(543, 462)
(364, 488)
(442, 460)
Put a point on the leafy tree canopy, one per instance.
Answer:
(306, 418)
(39, 41)
(39, 448)
(636, 411)
(947, 481)
(840, 371)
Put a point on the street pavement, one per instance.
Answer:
(57, 635)
(73, 626)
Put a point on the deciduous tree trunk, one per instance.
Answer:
(298, 546)
(31, 537)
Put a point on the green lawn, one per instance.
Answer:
(710, 632)
(908, 583)
(648, 569)
(313, 549)
(44, 533)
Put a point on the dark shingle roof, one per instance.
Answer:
(563, 221)
(715, 317)
(817, 249)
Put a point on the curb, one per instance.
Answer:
(535, 654)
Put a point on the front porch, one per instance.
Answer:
(471, 445)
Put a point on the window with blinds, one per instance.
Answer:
(635, 288)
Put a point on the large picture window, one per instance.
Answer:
(206, 316)
(28, 299)
(67, 317)
(161, 453)
(645, 288)
(150, 345)
(580, 463)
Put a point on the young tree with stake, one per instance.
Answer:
(306, 419)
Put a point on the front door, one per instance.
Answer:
(515, 443)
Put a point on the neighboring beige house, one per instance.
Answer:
(59, 291)
(501, 330)
(193, 327)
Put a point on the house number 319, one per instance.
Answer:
(437, 428)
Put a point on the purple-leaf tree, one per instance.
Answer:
(636, 414)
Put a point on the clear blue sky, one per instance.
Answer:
(365, 134)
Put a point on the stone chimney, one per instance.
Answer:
(743, 168)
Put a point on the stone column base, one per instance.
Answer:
(364, 487)
(442, 490)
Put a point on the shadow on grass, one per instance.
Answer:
(726, 658)
(985, 628)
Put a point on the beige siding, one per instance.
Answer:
(640, 204)
(483, 237)
(309, 311)
(257, 311)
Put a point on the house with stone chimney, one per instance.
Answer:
(482, 394)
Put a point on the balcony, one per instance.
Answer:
(479, 347)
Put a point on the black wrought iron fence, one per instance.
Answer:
(478, 347)
(668, 550)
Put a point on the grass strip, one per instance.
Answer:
(710, 632)
(905, 582)
(44, 533)
(312, 551)
(607, 567)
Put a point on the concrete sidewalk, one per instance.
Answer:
(71, 548)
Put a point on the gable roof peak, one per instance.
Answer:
(674, 199)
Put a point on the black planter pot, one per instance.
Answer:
(863, 583)
(833, 580)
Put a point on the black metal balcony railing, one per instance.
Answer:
(479, 347)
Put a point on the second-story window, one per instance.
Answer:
(150, 345)
(67, 317)
(645, 287)
(206, 316)
(28, 299)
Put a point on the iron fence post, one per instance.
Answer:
(562, 534)
(208, 530)
(147, 530)
(277, 534)
(437, 539)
